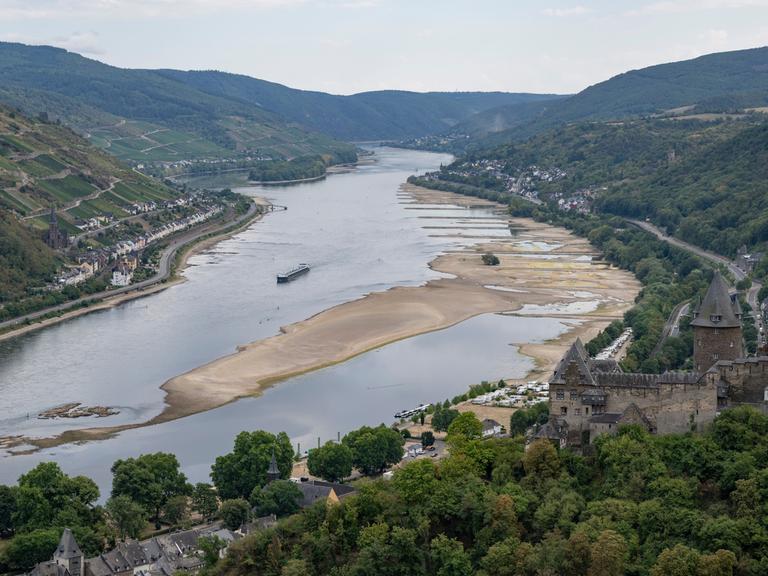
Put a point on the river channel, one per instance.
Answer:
(358, 236)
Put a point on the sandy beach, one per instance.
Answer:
(543, 271)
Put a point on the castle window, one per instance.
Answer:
(563, 411)
(574, 395)
(715, 356)
(586, 410)
(578, 411)
(765, 395)
(731, 343)
(560, 395)
(715, 318)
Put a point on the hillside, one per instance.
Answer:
(706, 181)
(44, 164)
(25, 261)
(382, 115)
(716, 198)
(721, 82)
(141, 115)
(170, 115)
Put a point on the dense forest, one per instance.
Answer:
(634, 504)
(637, 504)
(25, 261)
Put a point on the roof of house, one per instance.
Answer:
(68, 547)
(315, 490)
(489, 424)
(606, 418)
(577, 355)
(717, 309)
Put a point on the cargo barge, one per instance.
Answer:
(300, 270)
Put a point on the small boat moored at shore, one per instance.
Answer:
(412, 412)
(293, 274)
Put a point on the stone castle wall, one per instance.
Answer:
(714, 344)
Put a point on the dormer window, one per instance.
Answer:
(715, 318)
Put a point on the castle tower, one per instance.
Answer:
(273, 473)
(68, 554)
(716, 327)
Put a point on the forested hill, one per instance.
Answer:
(716, 198)
(148, 115)
(720, 82)
(382, 115)
(706, 181)
(25, 261)
(141, 115)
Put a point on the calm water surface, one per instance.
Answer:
(359, 238)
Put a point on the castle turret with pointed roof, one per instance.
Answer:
(716, 327)
(68, 554)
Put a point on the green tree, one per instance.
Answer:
(465, 426)
(28, 548)
(332, 461)
(204, 500)
(373, 449)
(127, 516)
(608, 555)
(721, 563)
(501, 559)
(7, 509)
(416, 481)
(388, 552)
(427, 439)
(235, 512)
(541, 461)
(449, 558)
(296, 567)
(151, 480)
(176, 510)
(281, 497)
(211, 547)
(441, 419)
(236, 474)
(678, 561)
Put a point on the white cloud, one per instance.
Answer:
(80, 42)
(688, 6)
(11, 10)
(564, 12)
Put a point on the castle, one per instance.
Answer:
(589, 397)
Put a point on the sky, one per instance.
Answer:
(349, 46)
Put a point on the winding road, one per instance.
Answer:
(737, 272)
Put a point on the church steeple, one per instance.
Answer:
(273, 472)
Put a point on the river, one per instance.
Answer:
(358, 236)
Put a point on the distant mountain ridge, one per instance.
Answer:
(714, 82)
(379, 115)
(168, 114)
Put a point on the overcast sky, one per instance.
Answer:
(347, 46)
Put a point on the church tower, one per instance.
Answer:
(273, 473)
(716, 327)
